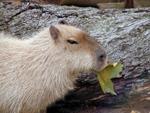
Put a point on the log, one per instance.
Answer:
(101, 4)
(124, 33)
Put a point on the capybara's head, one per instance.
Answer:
(78, 51)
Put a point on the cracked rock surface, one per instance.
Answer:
(124, 33)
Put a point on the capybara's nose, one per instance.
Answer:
(101, 55)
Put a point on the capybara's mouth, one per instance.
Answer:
(99, 68)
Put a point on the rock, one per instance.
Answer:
(124, 33)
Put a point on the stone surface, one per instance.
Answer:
(124, 33)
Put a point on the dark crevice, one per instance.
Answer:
(29, 7)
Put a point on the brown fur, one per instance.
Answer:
(38, 71)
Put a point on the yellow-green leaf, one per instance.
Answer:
(105, 76)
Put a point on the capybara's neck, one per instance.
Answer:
(45, 68)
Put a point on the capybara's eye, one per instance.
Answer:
(72, 42)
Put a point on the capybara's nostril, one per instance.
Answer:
(101, 55)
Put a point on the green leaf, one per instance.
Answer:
(105, 76)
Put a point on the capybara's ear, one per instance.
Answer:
(63, 22)
(54, 32)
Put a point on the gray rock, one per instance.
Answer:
(124, 33)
